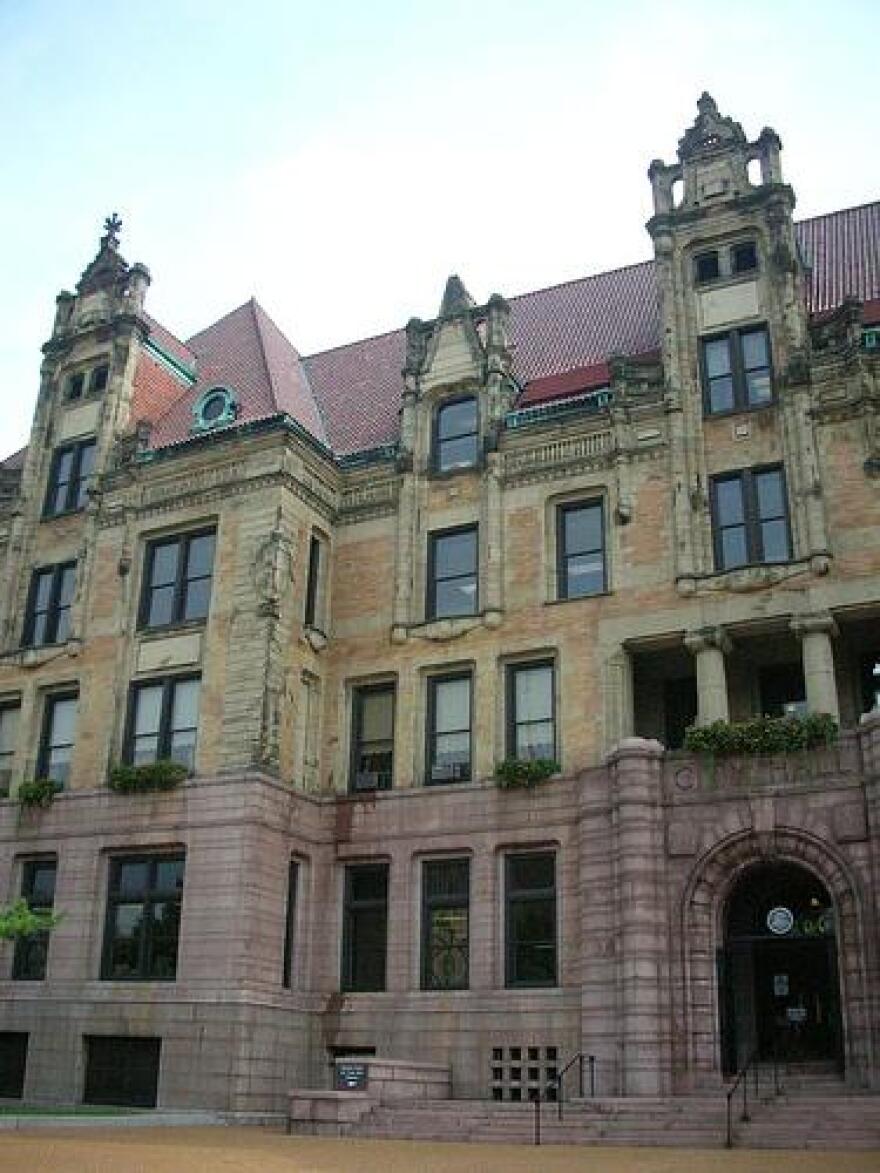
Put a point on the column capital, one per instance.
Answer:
(821, 622)
(707, 637)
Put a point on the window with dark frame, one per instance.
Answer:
(737, 372)
(313, 580)
(530, 919)
(531, 723)
(47, 614)
(706, 267)
(372, 741)
(445, 923)
(163, 721)
(457, 438)
(870, 682)
(38, 892)
(98, 380)
(580, 549)
(10, 712)
(13, 1063)
(122, 1070)
(143, 918)
(743, 257)
(290, 924)
(750, 518)
(449, 728)
(177, 579)
(69, 477)
(76, 385)
(365, 927)
(57, 740)
(453, 573)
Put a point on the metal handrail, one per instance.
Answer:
(741, 1080)
(557, 1083)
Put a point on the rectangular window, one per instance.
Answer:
(449, 729)
(750, 518)
(56, 743)
(580, 544)
(365, 927)
(290, 924)
(456, 442)
(372, 741)
(706, 267)
(47, 615)
(869, 681)
(531, 724)
(13, 1063)
(737, 373)
(452, 573)
(122, 1070)
(530, 929)
(9, 714)
(143, 918)
(177, 579)
(743, 257)
(76, 385)
(98, 380)
(72, 467)
(313, 582)
(163, 721)
(38, 890)
(445, 924)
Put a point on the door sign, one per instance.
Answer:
(780, 985)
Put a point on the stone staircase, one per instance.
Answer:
(812, 1111)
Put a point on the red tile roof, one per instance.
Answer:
(349, 397)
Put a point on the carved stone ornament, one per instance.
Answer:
(710, 132)
(108, 269)
(273, 570)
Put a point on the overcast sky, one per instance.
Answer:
(338, 160)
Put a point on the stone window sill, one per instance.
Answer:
(443, 630)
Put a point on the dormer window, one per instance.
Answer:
(743, 258)
(456, 435)
(213, 409)
(706, 267)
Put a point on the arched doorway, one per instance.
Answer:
(779, 987)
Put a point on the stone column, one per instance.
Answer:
(815, 633)
(641, 918)
(709, 646)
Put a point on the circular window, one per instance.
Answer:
(217, 406)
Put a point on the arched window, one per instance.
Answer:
(456, 443)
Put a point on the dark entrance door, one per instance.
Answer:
(778, 976)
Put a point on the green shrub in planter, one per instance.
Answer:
(39, 793)
(762, 735)
(513, 772)
(162, 775)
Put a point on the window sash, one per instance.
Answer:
(760, 525)
(578, 558)
(31, 953)
(69, 477)
(50, 598)
(183, 596)
(166, 733)
(372, 755)
(290, 924)
(56, 744)
(531, 930)
(452, 736)
(456, 444)
(365, 930)
(525, 733)
(453, 592)
(445, 924)
(742, 382)
(142, 927)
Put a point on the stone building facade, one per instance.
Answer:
(341, 589)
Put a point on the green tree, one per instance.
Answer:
(17, 920)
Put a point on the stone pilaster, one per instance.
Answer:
(816, 632)
(641, 918)
(709, 646)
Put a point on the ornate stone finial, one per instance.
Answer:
(706, 104)
(112, 224)
(456, 299)
(710, 131)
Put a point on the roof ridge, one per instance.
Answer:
(212, 325)
(255, 306)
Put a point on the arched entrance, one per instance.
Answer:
(778, 981)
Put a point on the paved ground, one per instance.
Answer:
(254, 1150)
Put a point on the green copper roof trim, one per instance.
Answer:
(168, 360)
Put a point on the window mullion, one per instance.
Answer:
(738, 371)
(180, 580)
(163, 749)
